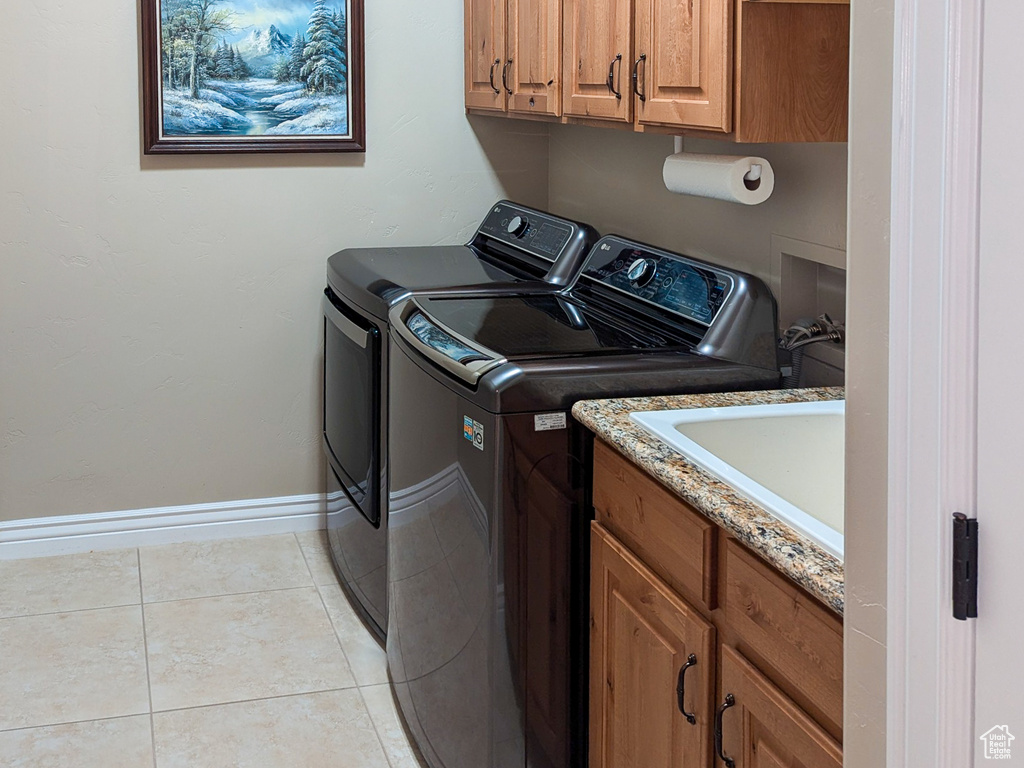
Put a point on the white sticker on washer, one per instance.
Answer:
(478, 435)
(543, 422)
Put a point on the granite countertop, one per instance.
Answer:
(806, 563)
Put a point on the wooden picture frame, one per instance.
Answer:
(231, 76)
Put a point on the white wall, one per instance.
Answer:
(159, 317)
(612, 179)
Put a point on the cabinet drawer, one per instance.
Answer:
(674, 541)
(793, 638)
(763, 728)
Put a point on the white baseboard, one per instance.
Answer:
(44, 536)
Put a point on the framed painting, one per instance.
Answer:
(252, 76)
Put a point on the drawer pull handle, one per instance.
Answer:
(691, 661)
(730, 701)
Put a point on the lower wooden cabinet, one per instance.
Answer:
(686, 620)
(764, 729)
(651, 663)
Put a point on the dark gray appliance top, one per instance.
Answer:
(638, 321)
(554, 384)
(732, 313)
(514, 243)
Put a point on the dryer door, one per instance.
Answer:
(352, 402)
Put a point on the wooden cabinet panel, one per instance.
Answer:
(597, 36)
(485, 54)
(787, 633)
(792, 72)
(686, 72)
(535, 48)
(676, 542)
(642, 635)
(764, 729)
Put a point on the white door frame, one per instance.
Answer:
(932, 376)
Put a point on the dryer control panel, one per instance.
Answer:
(539, 233)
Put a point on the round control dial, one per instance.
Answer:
(517, 226)
(641, 272)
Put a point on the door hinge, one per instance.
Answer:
(965, 567)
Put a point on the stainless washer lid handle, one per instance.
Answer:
(469, 372)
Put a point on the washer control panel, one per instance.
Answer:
(693, 289)
(528, 230)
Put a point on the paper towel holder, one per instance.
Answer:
(751, 179)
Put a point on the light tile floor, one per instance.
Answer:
(239, 653)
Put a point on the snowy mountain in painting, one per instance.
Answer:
(263, 48)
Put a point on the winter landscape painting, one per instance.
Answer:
(253, 75)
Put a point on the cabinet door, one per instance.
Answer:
(535, 48)
(485, 54)
(598, 56)
(642, 637)
(685, 72)
(763, 728)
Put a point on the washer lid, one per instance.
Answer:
(377, 278)
(543, 325)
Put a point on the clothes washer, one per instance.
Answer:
(489, 516)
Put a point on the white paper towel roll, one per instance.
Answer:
(719, 176)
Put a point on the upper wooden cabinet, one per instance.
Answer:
(749, 70)
(684, 67)
(535, 57)
(792, 71)
(514, 56)
(485, 54)
(598, 44)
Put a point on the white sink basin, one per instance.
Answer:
(788, 458)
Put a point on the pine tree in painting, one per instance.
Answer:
(222, 68)
(340, 31)
(241, 69)
(297, 60)
(325, 68)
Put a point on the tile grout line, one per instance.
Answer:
(327, 613)
(76, 610)
(145, 648)
(72, 722)
(186, 709)
(341, 645)
(376, 730)
(230, 594)
(255, 699)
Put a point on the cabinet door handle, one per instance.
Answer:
(491, 76)
(611, 75)
(636, 77)
(730, 701)
(504, 77)
(691, 661)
